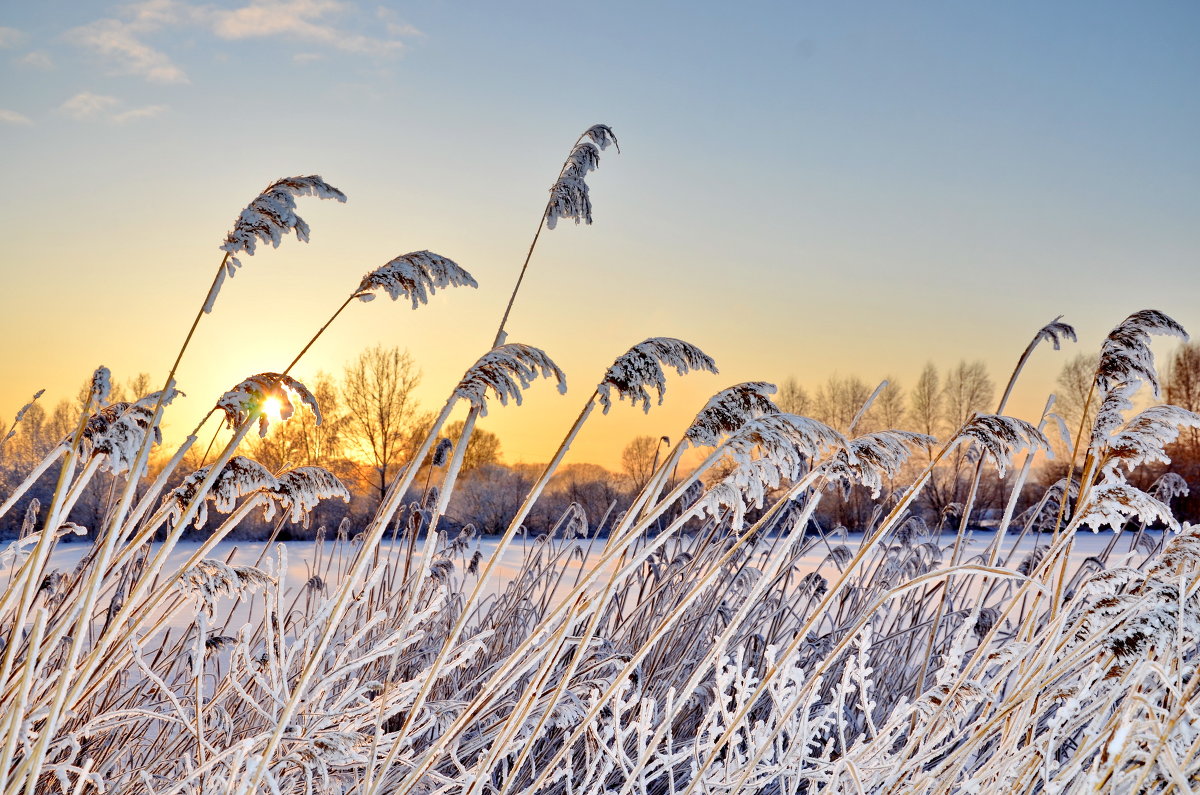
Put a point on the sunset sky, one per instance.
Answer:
(803, 188)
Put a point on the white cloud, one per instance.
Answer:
(118, 42)
(307, 57)
(122, 41)
(303, 20)
(37, 59)
(14, 118)
(86, 106)
(148, 112)
(10, 37)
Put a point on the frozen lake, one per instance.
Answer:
(304, 559)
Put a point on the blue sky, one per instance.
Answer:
(803, 189)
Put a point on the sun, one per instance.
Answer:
(272, 407)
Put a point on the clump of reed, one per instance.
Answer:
(688, 650)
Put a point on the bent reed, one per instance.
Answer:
(682, 652)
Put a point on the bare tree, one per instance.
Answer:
(925, 402)
(888, 411)
(1183, 390)
(794, 399)
(839, 400)
(301, 441)
(1074, 384)
(968, 389)
(380, 408)
(638, 459)
(483, 448)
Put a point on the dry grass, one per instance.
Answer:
(685, 652)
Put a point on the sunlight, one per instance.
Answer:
(272, 407)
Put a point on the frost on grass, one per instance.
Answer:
(868, 459)
(1144, 438)
(239, 477)
(1054, 332)
(416, 276)
(1112, 502)
(767, 453)
(643, 366)
(210, 579)
(299, 490)
(728, 410)
(506, 370)
(270, 216)
(101, 385)
(247, 399)
(569, 195)
(116, 431)
(1126, 362)
(1000, 437)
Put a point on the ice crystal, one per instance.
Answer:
(116, 431)
(728, 410)
(247, 398)
(506, 370)
(299, 490)
(239, 477)
(1126, 355)
(267, 218)
(416, 276)
(569, 195)
(1001, 436)
(642, 366)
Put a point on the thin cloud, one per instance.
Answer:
(123, 42)
(10, 37)
(302, 20)
(37, 59)
(86, 106)
(13, 118)
(118, 43)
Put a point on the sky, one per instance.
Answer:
(803, 188)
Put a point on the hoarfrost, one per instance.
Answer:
(239, 477)
(267, 218)
(116, 431)
(728, 410)
(507, 370)
(642, 366)
(299, 490)
(416, 275)
(1001, 436)
(569, 195)
(247, 399)
(1113, 501)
